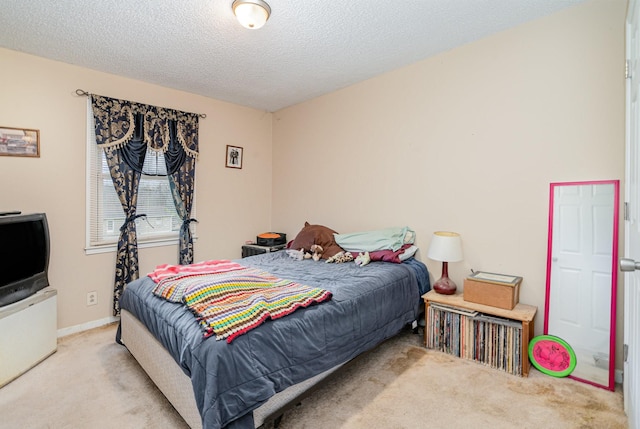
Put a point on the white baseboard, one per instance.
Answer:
(86, 326)
(618, 376)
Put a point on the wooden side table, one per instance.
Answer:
(525, 314)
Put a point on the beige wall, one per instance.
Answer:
(467, 141)
(39, 93)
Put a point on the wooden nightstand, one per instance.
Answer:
(489, 335)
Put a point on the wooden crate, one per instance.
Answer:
(496, 290)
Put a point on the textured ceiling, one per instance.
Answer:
(306, 49)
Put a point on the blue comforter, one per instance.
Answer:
(369, 305)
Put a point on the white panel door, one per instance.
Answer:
(632, 224)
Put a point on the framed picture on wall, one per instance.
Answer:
(234, 157)
(19, 142)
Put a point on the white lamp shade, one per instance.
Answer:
(445, 247)
(252, 14)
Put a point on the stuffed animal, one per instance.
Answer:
(340, 257)
(295, 254)
(363, 259)
(316, 250)
(315, 253)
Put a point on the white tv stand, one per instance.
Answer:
(28, 333)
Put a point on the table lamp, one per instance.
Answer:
(446, 247)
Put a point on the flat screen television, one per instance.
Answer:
(24, 256)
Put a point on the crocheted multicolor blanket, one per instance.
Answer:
(229, 299)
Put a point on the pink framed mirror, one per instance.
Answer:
(582, 275)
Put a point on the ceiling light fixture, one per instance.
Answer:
(252, 14)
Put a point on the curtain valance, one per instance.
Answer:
(115, 125)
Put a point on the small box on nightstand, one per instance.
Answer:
(496, 290)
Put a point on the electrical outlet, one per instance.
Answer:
(92, 298)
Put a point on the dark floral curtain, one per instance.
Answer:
(182, 181)
(125, 130)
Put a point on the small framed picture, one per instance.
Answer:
(234, 157)
(19, 142)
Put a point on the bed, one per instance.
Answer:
(214, 384)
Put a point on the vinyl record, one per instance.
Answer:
(552, 355)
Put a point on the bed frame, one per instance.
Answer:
(176, 386)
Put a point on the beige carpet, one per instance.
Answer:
(91, 382)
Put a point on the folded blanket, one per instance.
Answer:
(205, 267)
(370, 241)
(229, 299)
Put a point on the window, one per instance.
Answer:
(104, 211)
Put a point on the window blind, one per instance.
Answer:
(104, 210)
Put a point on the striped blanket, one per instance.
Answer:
(229, 299)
